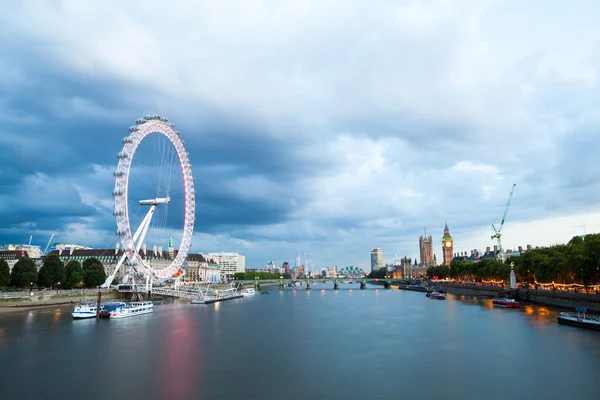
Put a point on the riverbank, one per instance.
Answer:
(567, 300)
(19, 301)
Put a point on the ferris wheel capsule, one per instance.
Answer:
(133, 128)
(140, 121)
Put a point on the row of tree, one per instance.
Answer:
(53, 273)
(252, 275)
(575, 262)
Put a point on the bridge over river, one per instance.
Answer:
(186, 290)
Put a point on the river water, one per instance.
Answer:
(298, 344)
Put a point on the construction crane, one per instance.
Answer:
(498, 231)
(48, 245)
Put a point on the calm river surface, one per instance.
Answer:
(298, 344)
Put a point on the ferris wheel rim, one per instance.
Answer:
(138, 132)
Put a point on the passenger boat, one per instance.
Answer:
(87, 309)
(505, 302)
(132, 309)
(579, 318)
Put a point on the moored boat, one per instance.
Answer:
(579, 318)
(85, 309)
(131, 309)
(88, 309)
(436, 296)
(505, 302)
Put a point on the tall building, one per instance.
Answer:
(376, 259)
(426, 250)
(286, 267)
(447, 246)
(229, 263)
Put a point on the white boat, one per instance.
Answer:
(132, 309)
(579, 318)
(248, 292)
(85, 309)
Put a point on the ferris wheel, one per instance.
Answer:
(133, 243)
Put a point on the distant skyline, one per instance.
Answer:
(330, 128)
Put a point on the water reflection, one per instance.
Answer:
(250, 348)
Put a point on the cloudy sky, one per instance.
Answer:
(326, 126)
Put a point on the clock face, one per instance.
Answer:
(448, 244)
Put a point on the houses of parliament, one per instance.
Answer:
(405, 268)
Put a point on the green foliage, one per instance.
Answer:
(252, 275)
(575, 262)
(52, 272)
(4, 273)
(489, 269)
(75, 276)
(93, 272)
(441, 271)
(24, 273)
(377, 274)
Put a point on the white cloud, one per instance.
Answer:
(405, 113)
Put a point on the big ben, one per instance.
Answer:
(447, 246)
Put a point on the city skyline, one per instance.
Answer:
(305, 144)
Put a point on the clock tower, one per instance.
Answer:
(447, 246)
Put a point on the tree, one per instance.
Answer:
(93, 272)
(252, 275)
(24, 273)
(75, 276)
(378, 273)
(52, 271)
(4, 273)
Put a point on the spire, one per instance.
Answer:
(446, 227)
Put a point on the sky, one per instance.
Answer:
(320, 127)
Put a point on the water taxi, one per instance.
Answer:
(248, 292)
(579, 318)
(437, 296)
(505, 302)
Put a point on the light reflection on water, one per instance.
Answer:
(226, 350)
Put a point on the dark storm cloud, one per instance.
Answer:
(66, 146)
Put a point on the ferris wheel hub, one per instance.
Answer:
(156, 201)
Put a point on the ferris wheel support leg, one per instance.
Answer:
(142, 228)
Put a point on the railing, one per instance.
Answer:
(175, 293)
(52, 292)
